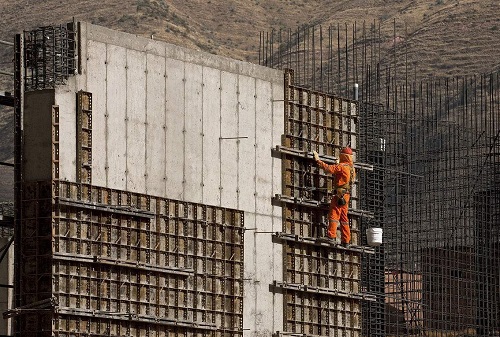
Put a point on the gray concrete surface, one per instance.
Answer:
(37, 137)
(187, 125)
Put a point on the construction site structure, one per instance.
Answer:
(434, 189)
(165, 191)
(162, 191)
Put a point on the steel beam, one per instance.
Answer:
(322, 242)
(309, 155)
(122, 263)
(279, 199)
(324, 291)
(6, 73)
(7, 43)
(116, 209)
(134, 317)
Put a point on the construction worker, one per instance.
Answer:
(344, 175)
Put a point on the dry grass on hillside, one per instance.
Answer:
(441, 37)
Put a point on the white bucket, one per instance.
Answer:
(374, 236)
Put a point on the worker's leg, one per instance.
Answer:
(333, 218)
(344, 221)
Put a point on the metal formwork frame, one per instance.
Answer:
(321, 281)
(50, 56)
(122, 261)
(103, 262)
(434, 146)
(84, 137)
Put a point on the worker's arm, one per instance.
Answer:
(328, 168)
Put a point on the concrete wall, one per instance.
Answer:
(183, 124)
(37, 137)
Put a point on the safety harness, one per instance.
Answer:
(346, 188)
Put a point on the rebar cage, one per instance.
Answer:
(50, 55)
(434, 189)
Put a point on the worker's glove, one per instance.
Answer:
(316, 156)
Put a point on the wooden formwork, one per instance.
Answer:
(120, 263)
(321, 280)
(96, 261)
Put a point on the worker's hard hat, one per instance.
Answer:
(346, 150)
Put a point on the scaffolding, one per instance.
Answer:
(321, 280)
(435, 184)
(427, 156)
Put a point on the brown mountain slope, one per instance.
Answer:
(443, 37)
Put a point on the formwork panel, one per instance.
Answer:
(115, 122)
(211, 134)
(321, 280)
(65, 101)
(156, 127)
(135, 139)
(263, 132)
(175, 143)
(229, 138)
(193, 132)
(246, 144)
(128, 261)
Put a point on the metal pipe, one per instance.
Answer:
(6, 164)
(6, 73)
(7, 43)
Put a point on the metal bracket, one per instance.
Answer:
(323, 291)
(321, 242)
(280, 150)
(136, 318)
(117, 209)
(122, 263)
(279, 199)
(6, 98)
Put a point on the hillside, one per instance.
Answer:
(443, 37)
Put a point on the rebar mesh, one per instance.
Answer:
(49, 54)
(435, 187)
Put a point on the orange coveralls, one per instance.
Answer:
(337, 213)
